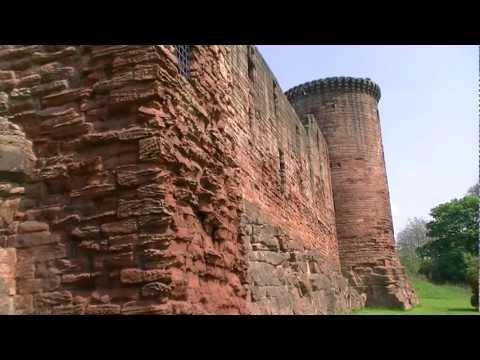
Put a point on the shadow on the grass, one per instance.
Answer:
(472, 310)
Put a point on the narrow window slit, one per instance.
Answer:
(275, 99)
(282, 170)
(250, 65)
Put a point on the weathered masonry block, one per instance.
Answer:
(141, 180)
(287, 278)
(7, 281)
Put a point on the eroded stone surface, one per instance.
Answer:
(292, 280)
(123, 187)
(129, 153)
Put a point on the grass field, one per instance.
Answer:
(434, 300)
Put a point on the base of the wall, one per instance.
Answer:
(284, 278)
(7, 281)
(384, 286)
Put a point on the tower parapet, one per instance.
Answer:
(347, 114)
(338, 83)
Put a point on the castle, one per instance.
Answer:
(181, 180)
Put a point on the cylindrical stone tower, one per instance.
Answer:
(347, 113)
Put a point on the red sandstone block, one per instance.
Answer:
(82, 278)
(44, 57)
(134, 133)
(136, 56)
(93, 245)
(53, 298)
(141, 207)
(69, 309)
(134, 276)
(65, 97)
(86, 232)
(158, 275)
(103, 51)
(121, 260)
(25, 268)
(73, 128)
(107, 309)
(140, 308)
(23, 304)
(132, 175)
(7, 75)
(23, 240)
(30, 286)
(131, 276)
(145, 72)
(127, 96)
(119, 227)
(18, 51)
(55, 71)
(93, 191)
(29, 80)
(155, 289)
(45, 89)
(8, 84)
(118, 81)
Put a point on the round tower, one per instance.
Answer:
(347, 113)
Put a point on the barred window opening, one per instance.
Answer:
(183, 58)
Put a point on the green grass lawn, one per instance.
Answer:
(434, 300)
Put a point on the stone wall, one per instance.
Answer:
(151, 192)
(287, 192)
(346, 111)
(16, 168)
(7, 281)
(283, 158)
(133, 207)
(287, 278)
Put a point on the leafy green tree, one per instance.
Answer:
(454, 231)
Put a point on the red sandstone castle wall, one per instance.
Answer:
(288, 223)
(157, 194)
(134, 206)
(271, 139)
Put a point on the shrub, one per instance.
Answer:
(472, 276)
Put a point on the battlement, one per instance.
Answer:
(338, 83)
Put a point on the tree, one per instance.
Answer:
(454, 231)
(413, 236)
(474, 190)
(472, 277)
